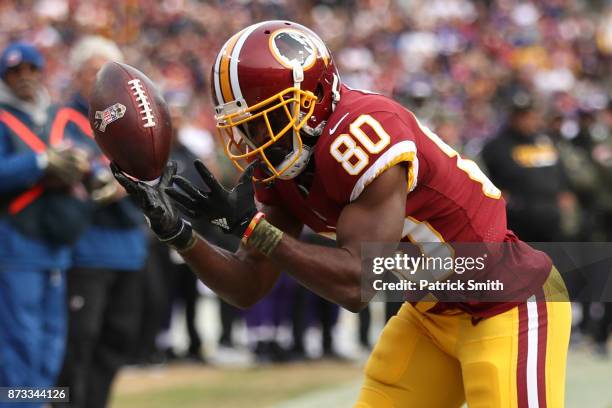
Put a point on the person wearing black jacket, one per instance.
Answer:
(181, 282)
(178, 281)
(524, 163)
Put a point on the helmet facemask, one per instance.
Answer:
(269, 131)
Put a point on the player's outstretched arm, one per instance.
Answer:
(241, 278)
(335, 273)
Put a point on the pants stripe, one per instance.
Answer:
(542, 342)
(532, 353)
(521, 363)
(531, 360)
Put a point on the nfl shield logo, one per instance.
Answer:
(109, 115)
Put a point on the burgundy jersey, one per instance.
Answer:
(449, 199)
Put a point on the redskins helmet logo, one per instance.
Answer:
(288, 45)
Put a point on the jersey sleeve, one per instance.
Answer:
(365, 148)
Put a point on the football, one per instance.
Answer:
(130, 120)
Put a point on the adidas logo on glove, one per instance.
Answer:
(221, 222)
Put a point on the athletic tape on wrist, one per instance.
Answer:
(265, 237)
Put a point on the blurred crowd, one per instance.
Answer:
(453, 61)
(523, 87)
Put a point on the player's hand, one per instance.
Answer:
(230, 210)
(162, 216)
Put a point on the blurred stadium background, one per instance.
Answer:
(458, 64)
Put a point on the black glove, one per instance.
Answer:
(157, 207)
(229, 210)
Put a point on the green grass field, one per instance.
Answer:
(307, 385)
(190, 386)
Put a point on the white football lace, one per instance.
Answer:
(143, 102)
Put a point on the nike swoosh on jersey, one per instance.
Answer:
(332, 130)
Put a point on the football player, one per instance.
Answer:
(359, 167)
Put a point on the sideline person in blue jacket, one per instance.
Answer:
(42, 212)
(104, 281)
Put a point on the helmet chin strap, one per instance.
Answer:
(335, 91)
(300, 163)
(335, 96)
(303, 156)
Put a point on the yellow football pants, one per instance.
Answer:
(514, 359)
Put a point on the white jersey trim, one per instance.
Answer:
(402, 151)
